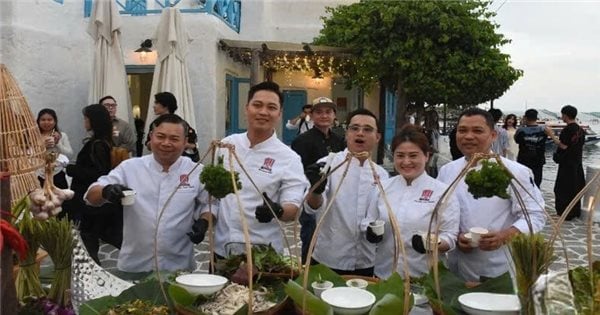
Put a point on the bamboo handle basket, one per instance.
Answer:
(21, 147)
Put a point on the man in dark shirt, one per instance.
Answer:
(532, 145)
(312, 145)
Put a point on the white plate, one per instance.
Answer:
(481, 303)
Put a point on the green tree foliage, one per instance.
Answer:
(431, 52)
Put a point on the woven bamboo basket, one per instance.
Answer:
(21, 146)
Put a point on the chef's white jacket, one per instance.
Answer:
(412, 205)
(341, 242)
(153, 187)
(276, 170)
(494, 214)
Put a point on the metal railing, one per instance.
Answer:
(229, 11)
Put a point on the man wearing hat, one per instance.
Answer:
(301, 122)
(532, 145)
(312, 145)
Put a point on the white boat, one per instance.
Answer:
(591, 137)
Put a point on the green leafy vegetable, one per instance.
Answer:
(584, 296)
(217, 180)
(264, 258)
(491, 180)
(148, 291)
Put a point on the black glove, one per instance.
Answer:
(313, 173)
(372, 237)
(114, 193)
(263, 213)
(199, 229)
(418, 244)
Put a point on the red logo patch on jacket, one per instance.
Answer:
(267, 166)
(426, 195)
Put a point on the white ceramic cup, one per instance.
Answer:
(377, 227)
(431, 244)
(476, 233)
(129, 198)
(320, 287)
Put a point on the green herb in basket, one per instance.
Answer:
(217, 180)
(491, 180)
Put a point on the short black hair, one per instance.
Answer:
(167, 100)
(531, 114)
(309, 106)
(569, 110)
(50, 112)
(267, 86)
(107, 97)
(474, 111)
(363, 111)
(496, 114)
(172, 119)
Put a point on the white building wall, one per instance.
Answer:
(45, 46)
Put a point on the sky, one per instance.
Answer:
(557, 45)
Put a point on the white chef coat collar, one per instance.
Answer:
(153, 164)
(259, 145)
(415, 182)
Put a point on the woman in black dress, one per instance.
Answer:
(92, 162)
(570, 178)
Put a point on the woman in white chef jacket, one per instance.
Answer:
(412, 196)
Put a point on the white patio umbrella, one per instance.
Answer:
(171, 73)
(108, 73)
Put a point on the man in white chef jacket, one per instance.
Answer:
(154, 177)
(341, 243)
(503, 218)
(273, 167)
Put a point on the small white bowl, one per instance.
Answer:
(348, 300)
(481, 303)
(357, 283)
(201, 283)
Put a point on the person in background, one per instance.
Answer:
(312, 145)
(510, 125)
(166, 103)
(154, 177)
(56, 141)
(341, 241)
(431, 128)
(302, 122)
(274, 168)
(122, 132)
(500, 145)
(92, 162)
(531, 139)
(503, 218)
(454, 151)
(413, 194)
(570, 178)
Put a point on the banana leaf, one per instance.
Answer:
(146, 291)
(451, 287)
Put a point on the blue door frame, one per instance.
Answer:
(390, 116)
(293, 100)
(234, 101)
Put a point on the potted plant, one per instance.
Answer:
(320, 285)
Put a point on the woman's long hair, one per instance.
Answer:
(509, 116)
(100, 122)
(50, 112)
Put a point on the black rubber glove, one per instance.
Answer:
(114, 193)
(372, 237)
(313, 173)
(263, 213)
(418, 244)
(199, 229)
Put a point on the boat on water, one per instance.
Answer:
(591, 137)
